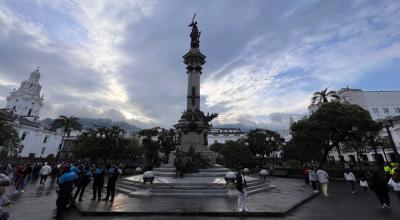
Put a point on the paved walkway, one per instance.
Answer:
(39, 203)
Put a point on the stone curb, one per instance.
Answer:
(196, 213)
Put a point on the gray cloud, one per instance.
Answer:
(123, 60)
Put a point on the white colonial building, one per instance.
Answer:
(23, 106)
(381, 105)
(222, 135)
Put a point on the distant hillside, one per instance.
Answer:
(242, 127)
(246, 127)
(105, 122)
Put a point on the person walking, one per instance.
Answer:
(98, 181)
(242, 194)
(313, 177)
(28, 173)
(19, 178)
(379, 185)
(66, 184)
(83, 181)
(44, 173)
(351, 180)
(394, 182)
(323, 179)
(112, 179)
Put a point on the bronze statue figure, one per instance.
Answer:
(195, 34)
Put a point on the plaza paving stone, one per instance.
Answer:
(39, 203)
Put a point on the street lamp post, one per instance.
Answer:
(387, 123)
(100, 135)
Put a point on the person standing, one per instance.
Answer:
(306, 171)
(66, 184)
(394, 182)
(242, 195)
(313, 177)
(98, 182)
(323, 179)
(379, 185)
(36, 170)
(351, 180)
(44, 172)
(364, 184)
(83, 181)
(112, 179)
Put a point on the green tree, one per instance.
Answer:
(168, 141)
(236, 155)
(307, 143)
(9, 139)
(262, 143)
(134, 150)
(151, 146)
(329, 128)
(102, 143)
(68, 124)
(217, 148)
(324, 96)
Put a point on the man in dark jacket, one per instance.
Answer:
(242, 195)
(112, 179)
(378, 184)
(83, 181)
(98, 182)
(66, 184)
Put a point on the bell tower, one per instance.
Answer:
(26, 100)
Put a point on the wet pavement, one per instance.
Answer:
(38, 202)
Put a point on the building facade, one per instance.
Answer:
(222, 135)
(24, 104)
(381, 105)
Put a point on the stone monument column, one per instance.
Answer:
(194, 125)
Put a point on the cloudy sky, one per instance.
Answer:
(123, 59)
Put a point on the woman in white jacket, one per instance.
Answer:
(323, 179)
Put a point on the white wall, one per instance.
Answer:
(222, 138)
(33, 142)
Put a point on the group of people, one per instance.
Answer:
(79, 176)
(378, 180)
(68, 176)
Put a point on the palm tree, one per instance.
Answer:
(324, 96)
(68, 124)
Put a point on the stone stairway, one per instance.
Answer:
(194, 186)
(170, 171)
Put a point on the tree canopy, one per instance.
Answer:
(102, 143)
(324, 96)
(263, 142)
(332, 126)
(9, 139)
(236, 155)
